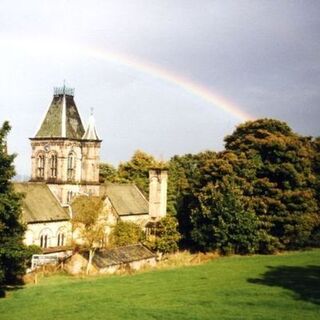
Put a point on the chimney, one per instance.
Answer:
(158, 181)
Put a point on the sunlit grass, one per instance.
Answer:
(257, 287)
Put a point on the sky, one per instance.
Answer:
(164, 76)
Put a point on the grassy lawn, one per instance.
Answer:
(258, 287)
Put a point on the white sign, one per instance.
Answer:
(42, 259)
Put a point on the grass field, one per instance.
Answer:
(259, 287)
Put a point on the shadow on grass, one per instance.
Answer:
(5, 289)
(13, 286)
(304, 282)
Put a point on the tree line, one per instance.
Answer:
(261, 194)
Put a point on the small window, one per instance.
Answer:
(69, 196)
(60, 241)
(45, 238)
(40, 165)
(53, 166)
(44, 241)
(71, 166)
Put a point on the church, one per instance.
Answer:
(65, 162)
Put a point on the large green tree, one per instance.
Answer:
(223, 221)
(183, 182)
(275, 188)
(136, 170)
(315, 238)
(282, 189)
(190, 178)
(12, 250)
(221, 216)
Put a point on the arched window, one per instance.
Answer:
(71, 166)
(44, 241)
(60, 238)
(53, 166)
(45, 237)
(69, 196)
(40, 165)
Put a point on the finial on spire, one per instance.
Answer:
(91, 111)
(91, 133)
(64, 90)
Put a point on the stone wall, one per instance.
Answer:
(52, 229)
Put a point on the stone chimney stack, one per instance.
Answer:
(158, 182)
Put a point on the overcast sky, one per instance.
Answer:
(263, 56)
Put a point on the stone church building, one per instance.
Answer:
(65, 163)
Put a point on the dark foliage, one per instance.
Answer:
(283, 191)
(222, 221)
(183, 181)
(277, 174)
(12, 251)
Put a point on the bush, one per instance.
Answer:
(29, 252)
(126, 233)
(165, 237)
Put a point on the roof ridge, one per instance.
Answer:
(120, 184)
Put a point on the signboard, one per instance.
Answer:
(42, 259)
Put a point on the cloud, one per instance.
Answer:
(262, 55)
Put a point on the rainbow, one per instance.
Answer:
(43, 46)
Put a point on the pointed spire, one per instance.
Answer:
(62, 119)
(91, 133)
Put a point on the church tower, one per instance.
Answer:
(64, 155)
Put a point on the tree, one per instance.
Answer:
(89, 221)
(282, 192)
(276, 173)
(126, 233)
(107, 173)
(223, 221)
(190, 174)
(183, 182)
(12, 250)
(315, 236)
(137, 170)
(165, 236)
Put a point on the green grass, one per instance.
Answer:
(258, 287)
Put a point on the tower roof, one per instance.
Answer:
(91, 133)
(62, 119)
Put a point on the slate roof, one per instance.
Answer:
(62, 119)
(126, 199)
(109, 257)
(39, 204)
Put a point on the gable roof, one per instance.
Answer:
(39, 204)
(109, 257)
(126, 199)
(62, 119)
